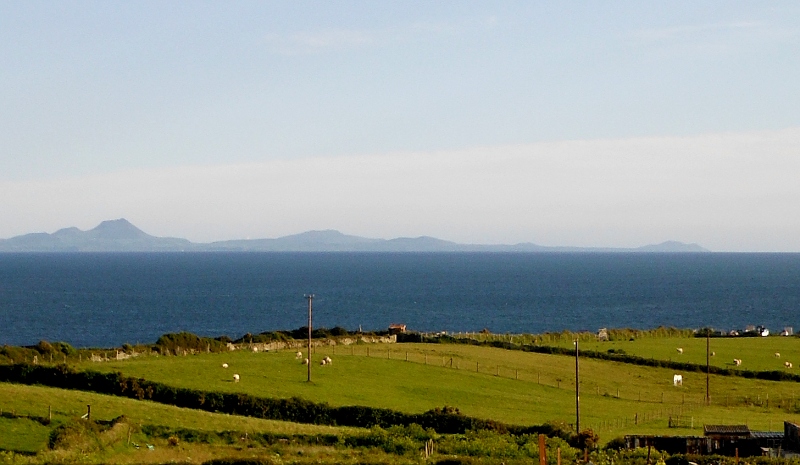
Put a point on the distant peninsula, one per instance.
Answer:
(122, 236)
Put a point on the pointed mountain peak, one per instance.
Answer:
(118, 229)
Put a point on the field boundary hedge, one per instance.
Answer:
(769, 375)
(447, 420)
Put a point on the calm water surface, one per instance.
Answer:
(109, 299)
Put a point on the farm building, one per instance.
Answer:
(397, 328)
(724, 440)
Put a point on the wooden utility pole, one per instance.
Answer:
(309, 297)
(577, 393)
(708, 346)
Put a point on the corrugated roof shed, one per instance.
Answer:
(738, 430)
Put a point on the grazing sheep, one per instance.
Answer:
(713, 354)
(680, 350)
(305, 361)
(737, 361)
(298, 355)
(236, 377)
(777, 355)
(677, 380)
(255, 349)
(322, 362)
(224, 365)
(787, 364)
(328, 360)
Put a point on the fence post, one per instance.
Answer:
(542, 451)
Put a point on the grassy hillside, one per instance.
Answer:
(511, 386)
(21, 434)
(507, 385)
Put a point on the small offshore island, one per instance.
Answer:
(399, 396)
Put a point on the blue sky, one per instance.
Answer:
(584, 123)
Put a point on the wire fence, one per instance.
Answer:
(671, 405)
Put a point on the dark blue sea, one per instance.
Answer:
(105, 300)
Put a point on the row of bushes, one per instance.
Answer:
(234, 437)
(172, 343)
(614, 356)
(398, 440)
(613, 334)
(446, 420)
(302, 333)
(42, 348)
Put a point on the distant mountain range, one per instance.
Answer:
(121, 236)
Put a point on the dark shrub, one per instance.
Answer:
(44, 348)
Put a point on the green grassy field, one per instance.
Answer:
(24, 435)
(756, 353)
(510, 386)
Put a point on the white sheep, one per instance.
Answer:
(677, 380)
(255, 349)
(224, 365)
(305, 361)
(777, 355)
(680, 350)
(737, 361)
(713, 354)
(328, 360)
(298, 355)
(236, 377)
(323, 362)
(787, 364)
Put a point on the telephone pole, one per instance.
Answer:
(577, 393)
(309, 297)
(708, 346)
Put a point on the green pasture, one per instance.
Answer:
(21, 434)
(756, 353)
(510, 386)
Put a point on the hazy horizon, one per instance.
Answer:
(554, 124)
